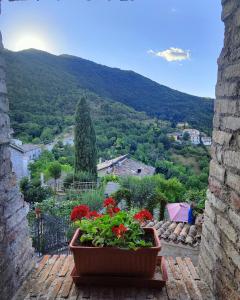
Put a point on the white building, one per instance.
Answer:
(194, 135)
(206, 140)
(22, 156)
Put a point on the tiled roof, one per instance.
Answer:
(111, 162)
(25, 147)
(179, 233)
(130, 167)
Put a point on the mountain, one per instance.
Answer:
(44, 88)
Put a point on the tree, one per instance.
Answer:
(32, 190)
(186, 136)
(84, 140)
(55, 170)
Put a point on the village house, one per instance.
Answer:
(194, 135)
(176, 136)
(124, 166)
(21, 156)
(206, 140)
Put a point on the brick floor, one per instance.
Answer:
(51, 280)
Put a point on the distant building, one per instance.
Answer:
(124, 166)
(182, 125)
(177, 136)
(206, 140)
(21, 156)
(194, 135)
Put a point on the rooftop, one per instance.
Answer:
(51, 280)
(111, 162)
(179, 233)
(25, 147)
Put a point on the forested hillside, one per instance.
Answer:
(44, 88)
(43, 92)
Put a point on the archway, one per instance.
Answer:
(219, 261)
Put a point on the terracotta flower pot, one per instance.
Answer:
(115, 261)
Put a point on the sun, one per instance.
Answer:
(30, 41)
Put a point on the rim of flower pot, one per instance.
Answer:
(156, 239)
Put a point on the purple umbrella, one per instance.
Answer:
(178, 212)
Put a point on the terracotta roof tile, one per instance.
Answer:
(179, 233)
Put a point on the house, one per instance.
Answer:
(124, 166)
(176, 136)
(182, 125)
(21, 156)
(194, 135)
(206, 140)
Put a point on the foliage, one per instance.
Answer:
(114, 228)
(43, 91)
(63, 207)
(110, 178)
(143, 190)
(32, 190)
(55, 170)
(84, 140)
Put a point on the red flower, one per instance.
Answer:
(119, 230)
(109, 202)
(79, 212)
(116, 209)
(94, 214)
(143, 215)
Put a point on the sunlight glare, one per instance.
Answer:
(30, 41)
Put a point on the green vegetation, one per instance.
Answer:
(84, 140)
(44, 90)
(150, 192)
(55, 170)
(32, 190)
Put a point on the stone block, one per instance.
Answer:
(217, 171)
(216, 121)
(231, 252)
(232, 159)
(227, 228)
(232, 123)
(210, 212)
(228, 9)
(233, 181)
(226, 106)
(237, 17)
(216, 202)
(221, 137)
(214, 230)
(4, 128)
(3, 87)
(231, 72)
(217, 188)
(235, 200)
(235, 220)
(4, 105)
(228, 264)
(227, 89)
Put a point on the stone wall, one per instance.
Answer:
(219, 260)
(16, 255)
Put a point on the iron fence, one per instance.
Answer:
(50, 234)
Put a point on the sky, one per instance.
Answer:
(173, 42)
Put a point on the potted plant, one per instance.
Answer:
(113, 243)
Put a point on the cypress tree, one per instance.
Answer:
(84, 140)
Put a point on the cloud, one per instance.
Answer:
(172, 54)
